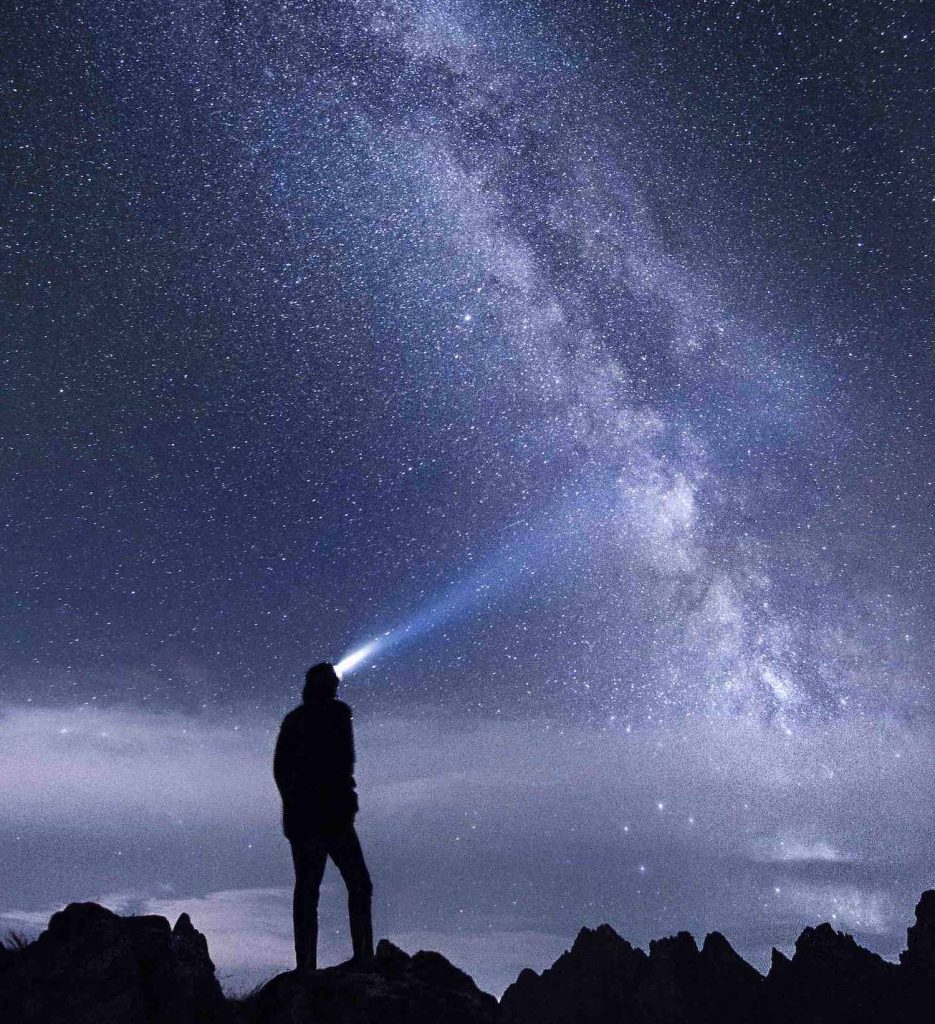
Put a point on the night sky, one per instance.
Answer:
(580, 348)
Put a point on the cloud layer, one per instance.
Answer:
(491, 841)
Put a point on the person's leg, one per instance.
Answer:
(344, 847)
(308, 856)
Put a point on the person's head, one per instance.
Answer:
(321, 682)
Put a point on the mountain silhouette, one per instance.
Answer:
(91, 966)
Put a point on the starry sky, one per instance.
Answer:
(581, 349)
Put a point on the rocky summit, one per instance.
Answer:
(91, 966)
(394, 988)
(830, 979)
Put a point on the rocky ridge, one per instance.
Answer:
(91, 966)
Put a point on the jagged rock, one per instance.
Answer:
(590, 983)
(604, 980)
(917, 962)
(729, 985)
(391, 957)
(919, 957)
(684, 984)
(666, 991)
(779, 962)
(91, 966)
(831, 978)
(394, 989)
(725, 966)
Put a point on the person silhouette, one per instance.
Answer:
(314, 771)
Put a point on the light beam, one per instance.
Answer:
(546, 542)
(352, 660)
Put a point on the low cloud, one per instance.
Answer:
(788, 850)
(493, 841)
(87, 768)
(848, 908)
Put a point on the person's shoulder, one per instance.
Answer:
(342, 710)
(292, 718)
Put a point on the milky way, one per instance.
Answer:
(582, 348)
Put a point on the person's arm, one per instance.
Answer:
(344, 745)
(282, 761)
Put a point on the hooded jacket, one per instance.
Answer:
(314, 768)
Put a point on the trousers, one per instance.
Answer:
(309, 856)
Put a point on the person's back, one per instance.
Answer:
(314, 770)
(314, 767)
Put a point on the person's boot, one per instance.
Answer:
(305, 963)
(361, 930)
(306, 947)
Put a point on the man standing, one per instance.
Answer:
(314, 770)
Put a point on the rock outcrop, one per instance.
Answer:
(603, 978)
(91, 966)
(830, 979)
(394, 988)
(919, 957)
(592, 981)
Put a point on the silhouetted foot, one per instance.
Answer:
(356, 965)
